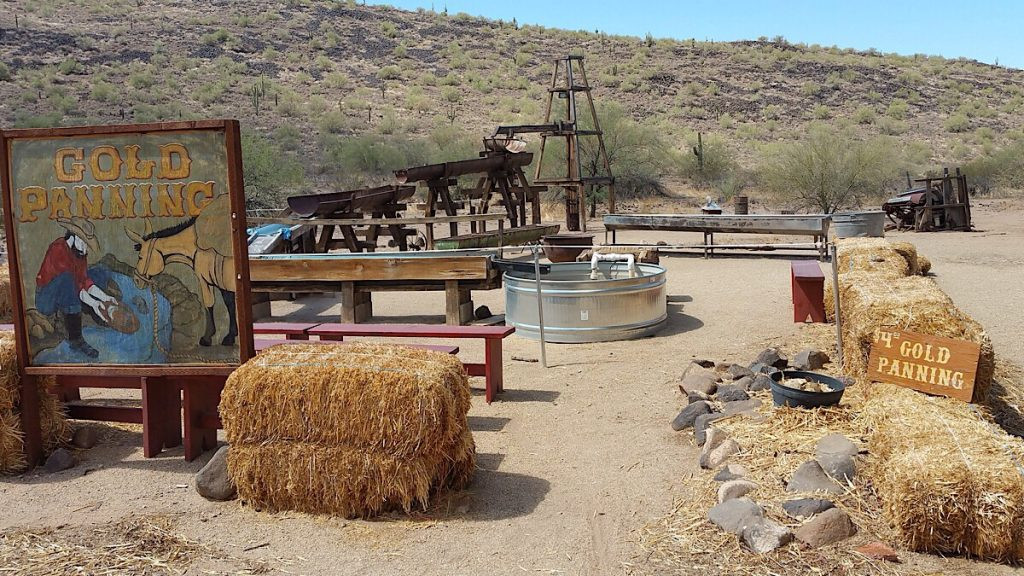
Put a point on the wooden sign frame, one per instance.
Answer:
(236, 198)
(931, 364)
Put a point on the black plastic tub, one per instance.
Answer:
(785, 396)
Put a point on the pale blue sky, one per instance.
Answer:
(986, 30)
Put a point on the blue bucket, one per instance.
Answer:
(785, 396)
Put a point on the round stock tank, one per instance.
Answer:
(577, 309)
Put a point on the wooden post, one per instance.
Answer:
(356, 306)
(458, 308)
(30, 426)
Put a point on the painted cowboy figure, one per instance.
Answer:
(63, 283)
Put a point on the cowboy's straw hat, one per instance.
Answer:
(82, 228)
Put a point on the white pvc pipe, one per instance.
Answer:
(628, 258)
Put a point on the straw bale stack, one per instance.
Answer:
(950, 481)
(913, 303)
(878, 255)
(5, 293)
(53, 423)
(351, 430)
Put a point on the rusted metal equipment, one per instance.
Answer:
(379, 204)
(569, 78)
(941, 203)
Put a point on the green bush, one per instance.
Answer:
(287, 136)
(957, 123)
(5, 73)
(103, 92)
(218, 36)
(269, 172)
(864, 115)
(898, 109)
(718, 161)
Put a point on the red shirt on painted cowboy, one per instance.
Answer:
(59, 259)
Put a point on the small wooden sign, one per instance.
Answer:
(930, 364)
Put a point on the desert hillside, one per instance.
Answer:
(334, 93)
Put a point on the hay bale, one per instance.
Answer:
(949, 480)
(339, 480)
(400, 400)
(891, 259)
(54, 426)
(924, 265)
(12, 447)
(5, 293)
(350, 430)
(913, 303)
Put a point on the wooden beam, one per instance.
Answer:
(378, 221)
(355, 269)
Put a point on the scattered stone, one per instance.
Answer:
(737, 371)
(810, 477)
(835, 453)
(772, 357)
(697, 379)
(213, 481)
(765, 535)
(711, 459)
(731, 393)
(85, 437)
(761, 382)
(804, 508)
(809, 360)
(705, 363)
(59, 460)
(759, 368)
(722, 366)
(714, 438)
(735, 489)
(743, 383)
(735, 515)
(878, 551)
(729, 408)
(695, 396)
(731, 472)
(686, 417)
(700, 426)
(829, 527)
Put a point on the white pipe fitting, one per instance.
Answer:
(629, 259)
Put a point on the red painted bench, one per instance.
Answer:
(808, 285)
(264, 343)
(490, 368)
(290, 330)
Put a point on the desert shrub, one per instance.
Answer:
(718, 161)
(898, 109)
(103, 92)
(5, 73)
(821, 112)
(957, 123)
(218, 36)
(389, 73)
(1003, 168)
(287, 136)
(270, 172)
(864, 115)
(891, 127)
(829, 169)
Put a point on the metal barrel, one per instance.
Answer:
(578, 309)
(741, 205)
(869, 224)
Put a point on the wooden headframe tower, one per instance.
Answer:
(568, 79)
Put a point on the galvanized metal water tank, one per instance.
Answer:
(578, 309)
(869, 224)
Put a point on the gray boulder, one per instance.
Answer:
(809, 360)
(772, 357)
(688, 415)
(835, 453)
(764, 535)
(697, 379)
(735, 489)
(59, 460)
(829, 527)
(482, 312)
(700, 426)
(692, 397)
(810, 477)
(731, 393)
(737, 372)
(213, 481)
(729, 408)
(761, 382)
(731, 472)
(804, 508)
(704, 363)
(715, 457)
(743, 383)
(735, 515)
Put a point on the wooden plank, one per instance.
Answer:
(514, 236)
(378, 221)
(287, 328)
(930, 364)
(412, 330)
(810, 225)
(355, 269)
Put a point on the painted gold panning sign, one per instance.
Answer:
(127, 186)
(931, 364)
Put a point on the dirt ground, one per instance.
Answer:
(573, 459)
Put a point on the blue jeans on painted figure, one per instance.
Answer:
(61, 294)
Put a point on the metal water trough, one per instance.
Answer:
(578, 309)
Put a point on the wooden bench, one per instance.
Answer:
(808, 285)
(264, 343)
(490, 368)
(290, 330)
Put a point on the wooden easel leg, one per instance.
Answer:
(201, 400)
(458, 308)
(30, 426)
